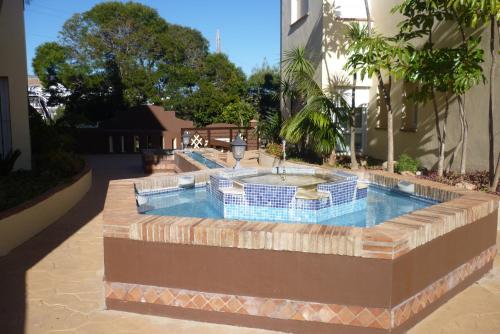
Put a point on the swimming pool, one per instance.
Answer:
(381, 205)
(201, 159)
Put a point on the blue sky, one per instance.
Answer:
(250, 30)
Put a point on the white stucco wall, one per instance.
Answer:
(421, 143)
(13, 67)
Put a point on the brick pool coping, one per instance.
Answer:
(388, 240)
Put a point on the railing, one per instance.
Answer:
(221, 137)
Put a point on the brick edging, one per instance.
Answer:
(388, 240)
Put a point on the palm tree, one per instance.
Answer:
(319, 122)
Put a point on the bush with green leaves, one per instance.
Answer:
(275, 150)
(406, 163)
(59, 164)
(7, 162)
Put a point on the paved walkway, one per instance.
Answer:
(53, 283)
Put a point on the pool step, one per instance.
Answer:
(310, 194)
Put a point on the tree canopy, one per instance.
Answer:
(118, 55)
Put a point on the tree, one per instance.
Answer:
(448, 70)
(263, 88)
(118, 55)
(239, 113)
(375, 55)
(319, 121)
(219, 84)
(483, 12)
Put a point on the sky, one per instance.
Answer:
(250, 30)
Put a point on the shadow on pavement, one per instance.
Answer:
(14, 266)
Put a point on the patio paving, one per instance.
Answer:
(53, 283)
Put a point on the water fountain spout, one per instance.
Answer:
(283, 162)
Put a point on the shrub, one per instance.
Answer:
(275, 150)
(59, 164)
(406, 163)
(7, 162)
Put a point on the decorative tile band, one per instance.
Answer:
(416, 304)
(348, 315)
(255, 306)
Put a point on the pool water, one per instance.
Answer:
(201, 159)
(382, 204)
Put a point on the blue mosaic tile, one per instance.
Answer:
(361, 193)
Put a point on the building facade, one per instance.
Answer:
(318, 25)
(14, 124)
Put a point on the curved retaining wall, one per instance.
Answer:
(20, 223)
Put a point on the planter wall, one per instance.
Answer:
(21, 223)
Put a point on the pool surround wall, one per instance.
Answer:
(184, 163)
(286, 276)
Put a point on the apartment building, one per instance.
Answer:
(14, 124)
(318, 26)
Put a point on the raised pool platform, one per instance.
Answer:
(300, 278)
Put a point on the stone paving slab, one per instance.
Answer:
(53, 283)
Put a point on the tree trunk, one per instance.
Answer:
(352, 120)
(460, 144)
(332, 159)
(386, 95)
(463, 163)
(491, 105)
(438, 130)
(368, 17)
(494, 187)
(445, 122)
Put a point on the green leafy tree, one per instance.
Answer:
(480, 13)
(118, 55)
(220, 83)
(447, 70)
(319, 121)
(371, 54)
(263, 89)
(239, 113)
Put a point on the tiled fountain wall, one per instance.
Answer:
(280, 202)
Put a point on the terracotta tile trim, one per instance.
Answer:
(254, 306)
(416, 304)
(349, 315)
(388, 240)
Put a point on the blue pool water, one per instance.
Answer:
(201, 159)
(381, 204)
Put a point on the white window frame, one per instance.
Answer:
(299, 9)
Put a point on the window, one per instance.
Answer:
(123, 144)
(300, 8)
(5, 129)
(110, 143)
(410, 109)
(137, 144)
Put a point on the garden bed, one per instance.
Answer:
(22, 186)
(23, 221)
